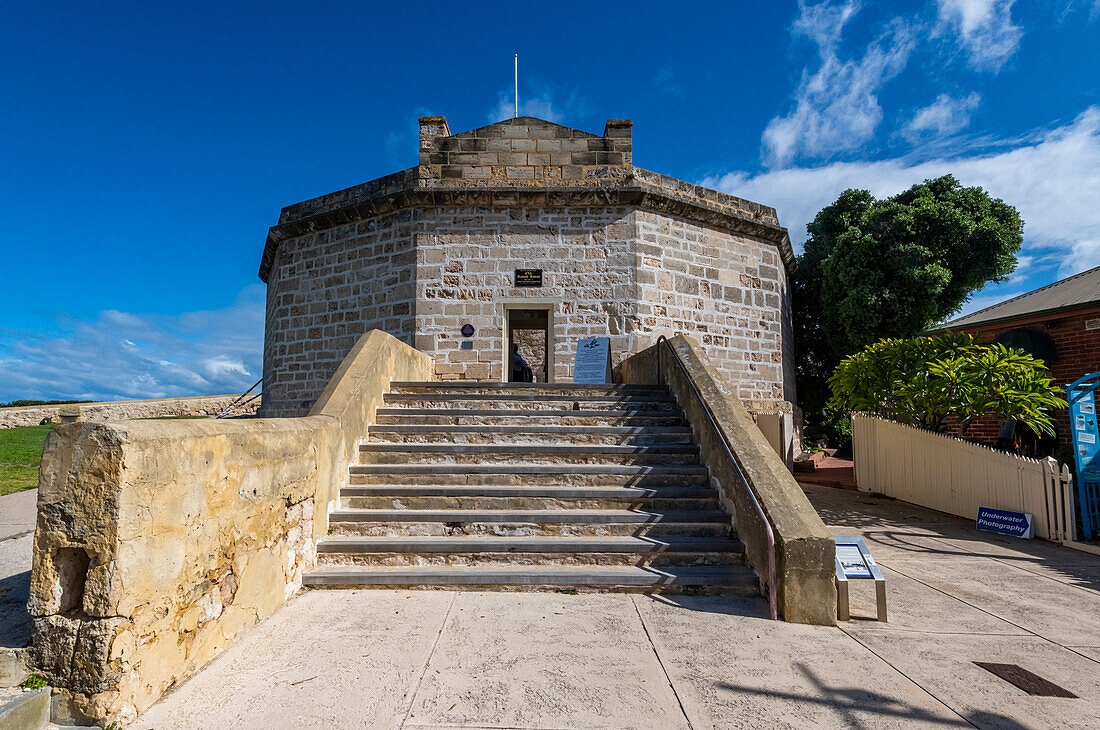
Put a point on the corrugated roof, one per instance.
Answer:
(1075, 291)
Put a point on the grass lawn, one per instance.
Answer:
(20, 453)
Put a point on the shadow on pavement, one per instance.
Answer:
(852, 702)
(15, 622)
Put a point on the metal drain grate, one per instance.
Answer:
(1029, 682)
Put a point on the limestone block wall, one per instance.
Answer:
(524, 151)
(325, 290)
(466, 261)
(729, 291)
(202, 405)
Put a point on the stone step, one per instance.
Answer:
(535, 474)
(539, 502)
(481, 454)
(489, 490)
(480, 550)
(565, 516)
(418, 497)
(530, 434)
(724, 578)
(608, 522)
(518, 402)
(527, 388)
(527, 417)
(552, 477)
(532, 529)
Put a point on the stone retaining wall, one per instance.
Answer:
(159, 543)
(123, 410)
(805, 549)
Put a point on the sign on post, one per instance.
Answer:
(853, 560)
(1005, 522)
(593, 362)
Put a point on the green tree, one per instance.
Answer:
(926, 380)
(874, 269)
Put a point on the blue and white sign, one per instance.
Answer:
(1081, 394)
(593, 363)
(1004, 522)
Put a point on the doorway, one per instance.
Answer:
(529, 331)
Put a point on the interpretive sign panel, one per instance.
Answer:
(853, 560)
(1004, 522)
(593, 362)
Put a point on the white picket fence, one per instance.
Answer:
(958, 477)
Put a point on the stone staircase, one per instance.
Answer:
(531, 486)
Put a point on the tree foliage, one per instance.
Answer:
(926, 380)
(875, 269)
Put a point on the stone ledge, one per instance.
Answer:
(650, 192)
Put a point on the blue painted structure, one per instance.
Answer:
(1081, 395)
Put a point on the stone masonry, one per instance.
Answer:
(123, 410)
(625, 253)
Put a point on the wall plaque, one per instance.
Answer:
(528, 277)
(467, 330)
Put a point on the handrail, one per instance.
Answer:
(773, 600)
(241, 397)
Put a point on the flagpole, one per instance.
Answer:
(517, 84)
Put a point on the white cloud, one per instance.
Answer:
(542, 106)
(836, 106)
(946, 115)
(122, 355)
(984, 28)
(1051, 178)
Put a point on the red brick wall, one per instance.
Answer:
(1078, 354)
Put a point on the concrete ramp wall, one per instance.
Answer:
(804, 547)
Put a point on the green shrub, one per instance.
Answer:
(926, 380)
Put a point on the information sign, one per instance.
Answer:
(1004, 522)
(528, 277)
(853, 560)
(1086, 450)
(593, 361)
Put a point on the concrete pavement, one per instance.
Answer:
(17, 514)
(435, 659)
(17, 518)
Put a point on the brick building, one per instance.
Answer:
(609, 249)
(1059, 323)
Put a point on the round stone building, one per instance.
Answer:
(531, 233)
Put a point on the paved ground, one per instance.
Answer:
(389, 659)
(17, 515)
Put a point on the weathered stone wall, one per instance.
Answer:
(625, 253)
(466, 261)
(327, 289)
(159, 542)
(524, 152)
(729, 291)
(122, 410)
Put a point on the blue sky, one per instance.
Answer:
(146, 148)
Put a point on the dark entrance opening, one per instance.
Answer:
(529, 331)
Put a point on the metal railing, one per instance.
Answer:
(773, 600)
(241, 397)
